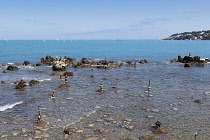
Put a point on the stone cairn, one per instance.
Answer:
(149, 89)
(101, 89)
(40, 119)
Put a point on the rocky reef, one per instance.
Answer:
(190, 60)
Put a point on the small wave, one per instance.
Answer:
(45, 79)
(5, 107)
(92, 112)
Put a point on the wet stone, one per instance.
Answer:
(147, 137)
(68, 131)
(198, 101)
(100, 130)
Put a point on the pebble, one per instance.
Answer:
(93, 138)
(79, 131)
(91, 125)
(150, 116)
(155, 110)
(127, 119)
(24, 130)
(15, 134)
(97, 107)
(119, 91)
(130, 127)
(37, 132)
(99, 120)
(110, 119)
(207, 92)
(175, 109)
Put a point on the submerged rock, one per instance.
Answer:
(198, 101)
(68, 73)
(68, 131)
(12, 68)
(34, 82)
(66, 85)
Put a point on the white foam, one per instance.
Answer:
(10, 63)
(5, 107)
(45, 79)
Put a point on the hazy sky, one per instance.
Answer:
(101, 19)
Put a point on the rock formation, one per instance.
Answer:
(12, 68)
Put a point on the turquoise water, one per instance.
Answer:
(174, 89)
(153, 50)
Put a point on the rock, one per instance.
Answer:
(198, 101)
(59, 66)
(48, 60)
(79, 131)
(64, 85)
(68, 74)
(200, 63)
(143, 61)
(147, 137)
(130, 127)
(21, 84)
(110, 119)
(34, 82)
(173, 61)
(100, 130)
(5, 71)
(12, 68)
(159, 130)
(187, 65)
(54, 95)
(91, 76)
(4, 82)
(38, 65)
(16, 82)
(127, 119)
(155, 110)
(26, 63)
(68, 131)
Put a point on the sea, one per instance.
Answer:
(179, 96)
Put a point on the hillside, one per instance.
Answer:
(194, 35)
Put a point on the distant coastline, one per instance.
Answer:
(194, 35)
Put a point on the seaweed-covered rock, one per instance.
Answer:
(12, 68)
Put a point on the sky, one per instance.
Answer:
(101, 19)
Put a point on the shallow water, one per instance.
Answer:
(174, 90)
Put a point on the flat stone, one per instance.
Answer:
(155, 110)
(79, 131)
(15, 134)
(91, 125)
(127, 119)
(150, 116)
